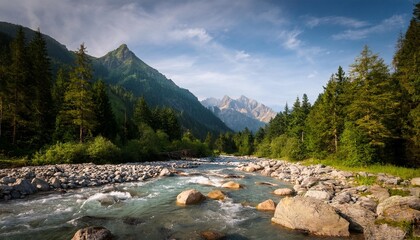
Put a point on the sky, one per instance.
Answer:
(271, 51)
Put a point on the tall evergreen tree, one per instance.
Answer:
(106, 123)
(78, 101)
(407, 66)
(19, 85)
(42, 104)
(142, 113)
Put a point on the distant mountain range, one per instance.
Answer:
(240, 113)
(121, 67)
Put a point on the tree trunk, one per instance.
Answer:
(335, 140)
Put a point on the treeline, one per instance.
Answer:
(371, 115)
(68, 117)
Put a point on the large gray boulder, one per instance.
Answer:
(93, 233)
(320, 195)
(24, 186)
(311, 215)
(40, 184)
(397, 208)
(384, 232)
(191, 196)
(359, 217)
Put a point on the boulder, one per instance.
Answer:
(93, 233)
(231, 185)
(320, 195)
(267, 205)
(55, 182)
(343, 197)
(379, 192)
(216, 195)
(367, 203)
(165, 172)
(311, 215)
(249, 169)
(309, 182)
(191, 196)
(384, 232)
(24, 186)
(212, 235)
(40, 184)
(284, 191)
(415, 181)
(397, 208)
(359, 217)
(266, 172)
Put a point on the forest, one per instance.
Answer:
(370, 115)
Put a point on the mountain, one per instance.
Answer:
(240, 113)
(121, 67)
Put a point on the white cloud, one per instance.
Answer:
(198, 35)
(335, 20)
(242, 55)
(386, 25)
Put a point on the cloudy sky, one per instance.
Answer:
(272, 51)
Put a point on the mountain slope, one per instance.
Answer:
(122, 67)
(240, 113)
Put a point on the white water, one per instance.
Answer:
(147, 210)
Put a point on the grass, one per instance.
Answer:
(14, 163)
(365, 180)
(398, 192)
(403, 225)
(402, 172)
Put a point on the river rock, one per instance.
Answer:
(309, 182)
(415, 181)
(165, 172)
(284, 192)
(320, 195)
(216, 195)
(343, 197)
(367, 203)
(383, 232)
(397, 208)
(93, 233)
(24, 186)
(231, 185)
(267, 205)
(191, 196)
(311, 215)
(379, 192)
(40, 184)
(359, 217)
(266, 172)
(212, 235)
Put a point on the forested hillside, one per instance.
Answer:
(370, 115)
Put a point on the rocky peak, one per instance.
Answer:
(120, 56)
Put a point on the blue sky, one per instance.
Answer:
(271, 51)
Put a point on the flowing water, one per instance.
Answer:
(148, 210)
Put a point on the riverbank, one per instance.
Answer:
(380, 206)
(18, 183)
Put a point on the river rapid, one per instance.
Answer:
(148, 209)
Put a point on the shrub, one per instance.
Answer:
(102, 150)
(69, 152)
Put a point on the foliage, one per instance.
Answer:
(398, 192)
(365, 180)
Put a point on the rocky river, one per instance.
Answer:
(233, 198)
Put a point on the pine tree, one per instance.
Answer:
(78, 101)
(407, 66)
(42, 104)
(106, 123)
(142, 113)
(19, 85)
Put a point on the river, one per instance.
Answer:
(148, 210)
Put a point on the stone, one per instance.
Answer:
(384, 232)
(343, 197)
(188, 197)
(216, 195)
(415, 191)
(231, 185)
(415, 181)
(40, 184)
(7, 180)
(24, 186)
(55, 182)
(379, 192)
(165, 172)
(367, 203)
(311, 215)
(249, 169)
(212, 235)
(267, 205)
(320, 195)
(266, 172)
(284, 192)
(397, 208)
(93, 233)
(309, 182)
(359, 217)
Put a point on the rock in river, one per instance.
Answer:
(311, 215)
(267, 205)
(231, 185)
(92, 233)
(191, 196)
(216, 195)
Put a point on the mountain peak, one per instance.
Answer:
(120, 57)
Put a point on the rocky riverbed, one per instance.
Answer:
(329, 202)
(18, 183)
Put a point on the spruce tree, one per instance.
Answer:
(42, 104)
(78, 101)
(106, 123)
